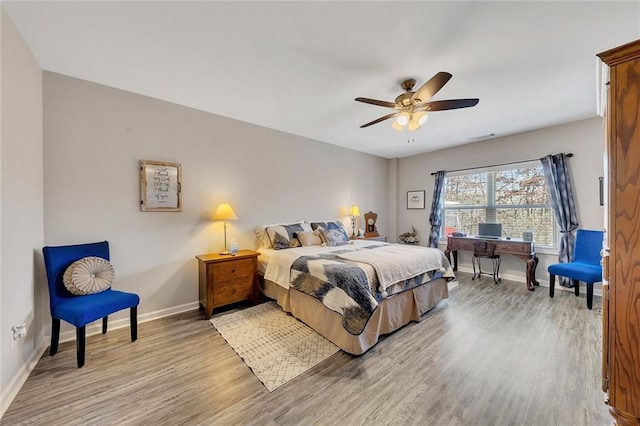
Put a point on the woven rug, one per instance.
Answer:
(276, 346)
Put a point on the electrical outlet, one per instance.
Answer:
(17, 332)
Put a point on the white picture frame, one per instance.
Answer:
(415, 200)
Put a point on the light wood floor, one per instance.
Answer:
(490, 355)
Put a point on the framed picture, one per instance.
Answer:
(415, 199)
(160, 186)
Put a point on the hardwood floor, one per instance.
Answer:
(490, 355)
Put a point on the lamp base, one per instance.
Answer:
(227, 252)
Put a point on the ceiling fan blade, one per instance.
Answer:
(448, 104)
(431, 87)
(386, 117)
(377, 102)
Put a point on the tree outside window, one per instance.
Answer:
(515, 196)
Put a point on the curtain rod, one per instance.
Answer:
(569, 154)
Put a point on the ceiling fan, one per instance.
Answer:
(412, 107)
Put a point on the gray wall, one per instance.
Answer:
(94, 137)
(21, 211)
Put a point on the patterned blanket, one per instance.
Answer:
(349, 287)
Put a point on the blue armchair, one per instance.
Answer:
(585, 265)
(81, 310)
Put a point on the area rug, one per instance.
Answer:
(276, 346)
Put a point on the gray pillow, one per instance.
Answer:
(334, 237)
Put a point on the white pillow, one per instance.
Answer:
(88, 275)
(309, 238)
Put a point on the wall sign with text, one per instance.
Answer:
(160, 186)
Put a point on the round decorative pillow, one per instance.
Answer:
(88, 275)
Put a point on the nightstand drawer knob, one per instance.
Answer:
(233, 270)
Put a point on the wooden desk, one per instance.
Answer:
(517, 248)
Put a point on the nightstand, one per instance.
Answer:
(378, 238)
(225, 279)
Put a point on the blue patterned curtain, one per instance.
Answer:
(556, 174)
(435, 218)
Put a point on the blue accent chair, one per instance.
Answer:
(81, 310)
(585, 266)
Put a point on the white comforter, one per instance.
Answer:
(395, 262)
(279, 267)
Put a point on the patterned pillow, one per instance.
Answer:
(88, 275)
(261, 233)
(309, 238)
(334, 237)
(336, 224)
(283, 236)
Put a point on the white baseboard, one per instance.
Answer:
(597, 290)
(96, 327)
(13, 387)
(16, 383)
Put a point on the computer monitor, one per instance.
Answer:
(490, 230)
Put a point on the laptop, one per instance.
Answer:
(490, 230)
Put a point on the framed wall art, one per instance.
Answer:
(415, 199)
(160, 186)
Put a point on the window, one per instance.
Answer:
(514, 195)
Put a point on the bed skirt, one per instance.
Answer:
(391, 314)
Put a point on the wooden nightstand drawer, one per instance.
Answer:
(231, 270)
(227, 292)
(225, 279)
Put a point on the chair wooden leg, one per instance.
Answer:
(552, 284)
(104, 325)
(55, 336)
(589, 295)
(134, 323)
(81, 333)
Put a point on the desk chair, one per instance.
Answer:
(487, 250)
(585, 265)
(81, 310)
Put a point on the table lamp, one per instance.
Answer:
(224, 212)
(354, 212)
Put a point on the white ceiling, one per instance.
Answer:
(297, 66)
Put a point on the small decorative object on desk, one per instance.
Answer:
(409, 237)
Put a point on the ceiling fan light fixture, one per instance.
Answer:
(421, 117)
(396, 126)
(403, 119)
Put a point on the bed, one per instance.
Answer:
(355, 292)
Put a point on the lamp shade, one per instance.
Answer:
(355, 211)
(224, 212)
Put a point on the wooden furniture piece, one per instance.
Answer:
(226, 279)
(621, 259)
(487, 250)
(370, 229)
(521, 249)
(382, 238)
